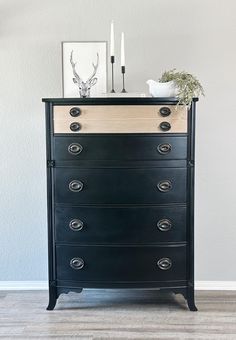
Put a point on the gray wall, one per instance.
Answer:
(198, 36)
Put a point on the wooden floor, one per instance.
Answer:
(117, 314)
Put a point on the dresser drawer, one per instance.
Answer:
(121, 147)
(119, 112)
(120, 119)
(120, 225)
(120, 185)
(104, 263)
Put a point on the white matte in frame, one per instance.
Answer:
(84, 54)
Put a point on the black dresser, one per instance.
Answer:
(120, 179)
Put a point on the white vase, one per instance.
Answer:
(157, 89)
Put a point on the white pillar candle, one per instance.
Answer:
(112, 47)
(122, 59)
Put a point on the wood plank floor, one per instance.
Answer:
(117, 314)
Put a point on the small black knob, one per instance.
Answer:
(76, 225)
(165, 111)
(165, 126)
(164, 263)
(164, 148)
(75, 126)
(164, 224)
(76, 186)
(164, 186)
(75, 148)
(75, 111)
(77, 263)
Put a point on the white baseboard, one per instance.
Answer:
(23, 285)
(215, 285)
(43, 285)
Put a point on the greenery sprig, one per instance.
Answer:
(188, 86)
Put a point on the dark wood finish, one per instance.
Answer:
(120, 206)
(101, 147)
(120, 186)
(121, 263)
(120, 224)
(114, 101)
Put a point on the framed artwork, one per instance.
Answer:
(84, 68)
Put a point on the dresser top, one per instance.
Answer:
(114, 101)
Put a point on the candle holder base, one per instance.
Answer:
(123, 79)
(112, 74)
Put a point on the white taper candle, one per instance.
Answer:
(122, 59)
(112, 44)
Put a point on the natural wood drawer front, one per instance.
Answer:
(108, 112)
(120, 119)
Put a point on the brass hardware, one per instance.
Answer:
(164, 224)
(165, 126)
(164, 148)
(75, 126)
(164, 186)
(76, 185)
(77, 263)
(164, 263)
(75, 148)
(76, 225)
(165, 111)
(75, 111)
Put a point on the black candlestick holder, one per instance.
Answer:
(112, 73)
(123, 76)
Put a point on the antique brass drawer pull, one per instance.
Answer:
(164, 224)
(164, 263)
(77, 263)
(76, 186)
(76, 225)
(75, 126)
(165, 126)
(164, 186)
(75, 148)
(165, 111)
(75, 111)
(164, 148)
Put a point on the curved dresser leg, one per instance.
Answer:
(190, 300)
(52, 298)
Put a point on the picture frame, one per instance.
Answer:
(80, 60)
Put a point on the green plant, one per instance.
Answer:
(188, 86)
